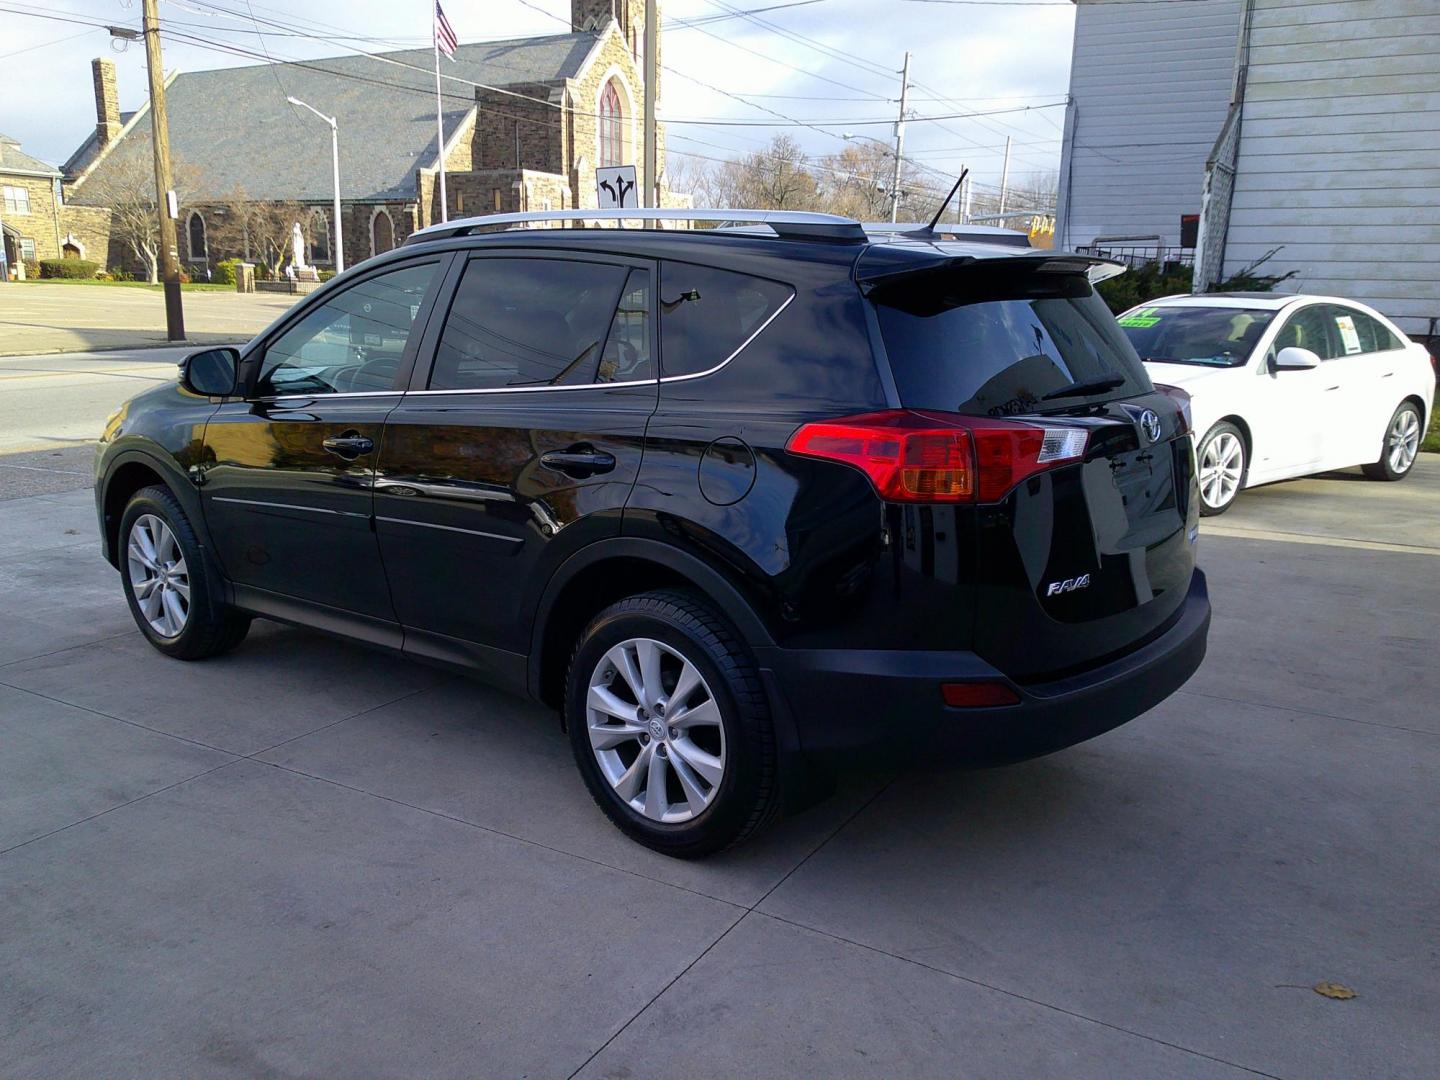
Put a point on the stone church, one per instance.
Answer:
(547, 112)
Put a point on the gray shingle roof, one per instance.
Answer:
(80, 160)
(13, 159)
(233, 127)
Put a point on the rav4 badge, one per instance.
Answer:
(1070, 584)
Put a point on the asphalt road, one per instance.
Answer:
(308, 859)
(52, 401)
(45, 317)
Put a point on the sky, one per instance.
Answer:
(833, 64)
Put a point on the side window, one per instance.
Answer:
(627, 349)
(707, 314)
(1307, 329)
(1361, 333)
(545, 322)
(352, 342)
(1349, 335)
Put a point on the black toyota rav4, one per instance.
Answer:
(738, 502)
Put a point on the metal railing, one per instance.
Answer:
(1135, 255)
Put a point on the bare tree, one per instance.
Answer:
(777, 177)
(258, 229)
(127, 187)
(689, 175)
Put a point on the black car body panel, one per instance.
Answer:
(478, 527)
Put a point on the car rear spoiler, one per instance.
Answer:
(878, 279)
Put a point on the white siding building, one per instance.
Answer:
(1323, 141)
(1149, 88)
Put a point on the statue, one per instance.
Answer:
(297, 247)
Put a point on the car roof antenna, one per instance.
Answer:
(929, 230)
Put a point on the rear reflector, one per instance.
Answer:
(972, 695)
(940, 457)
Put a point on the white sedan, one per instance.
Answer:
(1284, 386)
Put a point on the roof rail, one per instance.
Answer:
(786, 224)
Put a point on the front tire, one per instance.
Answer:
(1402, 445)
(670, 726)
(176, 601)
(1222, 462)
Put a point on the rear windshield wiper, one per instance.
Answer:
(1085, 387)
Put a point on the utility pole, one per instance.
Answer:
(1005, 178)
(160, 138)
(652, 76)
(899, 141)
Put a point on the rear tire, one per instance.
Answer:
(1402, 445)
(1223, 463)
(177, 602)
(670, 726)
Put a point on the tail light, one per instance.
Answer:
(940, 457)
(1182, 399)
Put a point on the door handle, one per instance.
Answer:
(349, 445)
(578, 461)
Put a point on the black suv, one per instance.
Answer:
(737, 502)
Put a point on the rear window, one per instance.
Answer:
(996, 346)
(707, 314)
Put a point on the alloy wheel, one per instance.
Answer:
(159, 577)
(1403, 442)
(655, 730)
(1221, 466)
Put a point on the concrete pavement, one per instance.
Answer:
(308, 859)
(41, 317)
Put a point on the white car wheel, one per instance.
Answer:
(1222, 468)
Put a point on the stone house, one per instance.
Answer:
(35, 220)
(526, 123)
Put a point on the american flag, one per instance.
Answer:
(445, 39)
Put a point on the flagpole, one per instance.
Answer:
(439, 110)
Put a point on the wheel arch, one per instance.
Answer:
(597, 576)
(1239, 423)
(129, 473)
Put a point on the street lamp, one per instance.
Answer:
(335, 171)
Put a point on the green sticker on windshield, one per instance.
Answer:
(1141, 318)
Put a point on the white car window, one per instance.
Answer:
(1361, 333)
(1308, 329)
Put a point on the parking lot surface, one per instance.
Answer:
(306, 859)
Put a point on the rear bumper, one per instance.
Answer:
(875, 706)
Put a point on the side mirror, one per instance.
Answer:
(211, 373)
(1293, 357)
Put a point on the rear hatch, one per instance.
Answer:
(1088, 557)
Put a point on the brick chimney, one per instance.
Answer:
(107, 101)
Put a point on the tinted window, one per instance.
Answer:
(627, 348)
(351, 342)
(707, 314)
(996, 346)
(1359, 333)
(1307, 329)
(544, 322)
(1211, 336)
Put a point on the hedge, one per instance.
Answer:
(79, 269)
(224, 272)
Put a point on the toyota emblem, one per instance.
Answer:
(1150, 424)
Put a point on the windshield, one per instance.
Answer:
(1210, 336)
(997, 346)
